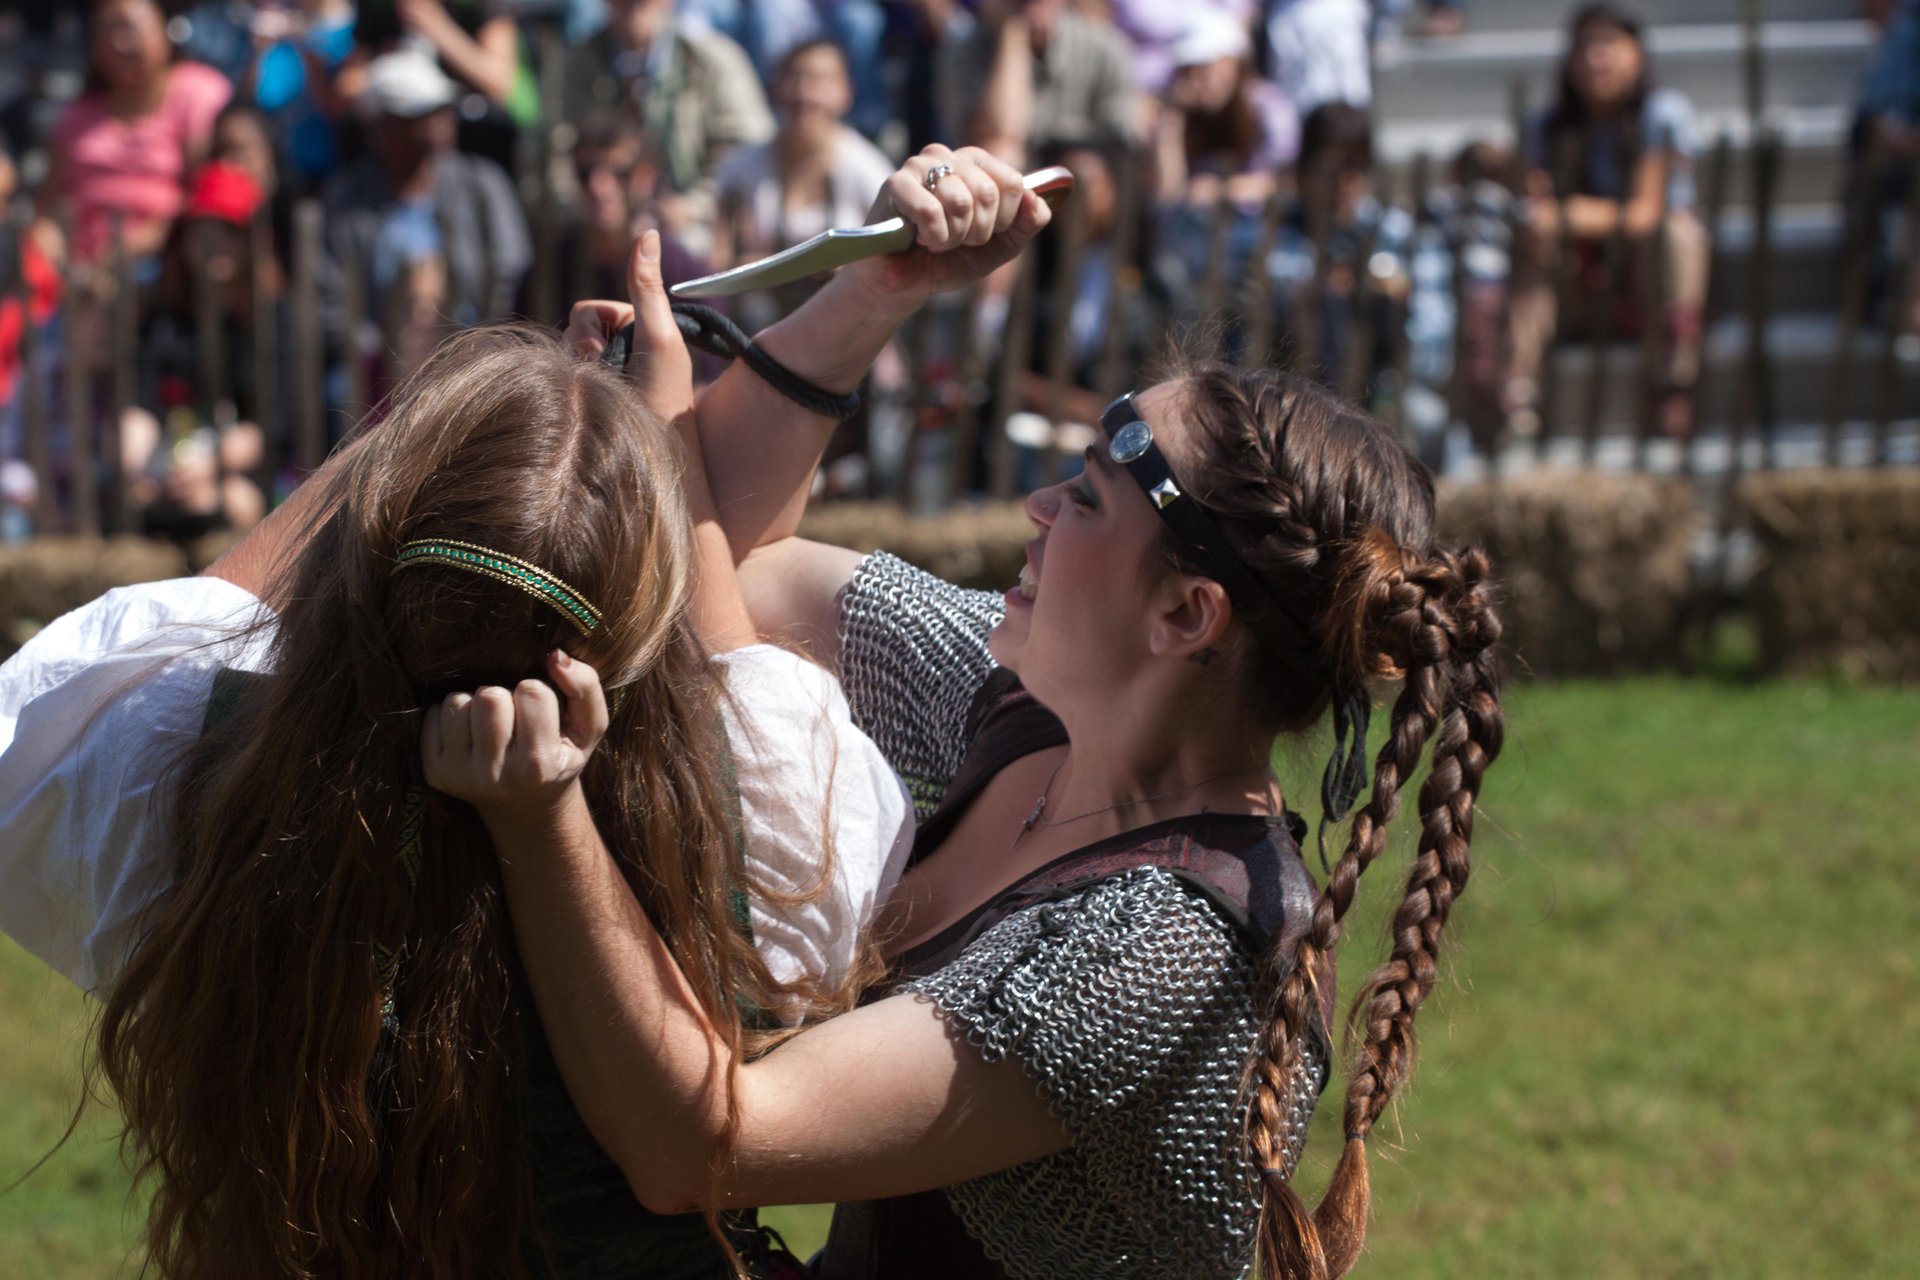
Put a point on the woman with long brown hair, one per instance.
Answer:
(1114, 1013)
(313, 1021)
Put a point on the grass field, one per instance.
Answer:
(1682, 1038)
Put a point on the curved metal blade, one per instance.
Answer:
(840, 246)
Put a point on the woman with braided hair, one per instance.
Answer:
(1114, 991)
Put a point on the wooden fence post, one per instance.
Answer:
(1854, 252)
(266, 356)
(309, 339)
(210, 341)
(1128, 205)
(1016, 342)
(1719, 181)
(1902, 276)
(126, 345)
(34, 417)
(1066, 279)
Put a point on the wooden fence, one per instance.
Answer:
(83, 371)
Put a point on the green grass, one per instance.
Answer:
(1681, 1037)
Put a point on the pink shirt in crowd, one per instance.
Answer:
(136, 167)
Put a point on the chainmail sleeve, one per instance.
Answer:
(1130, 1004)
(913, 652)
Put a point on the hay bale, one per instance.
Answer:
(42, 578)
(1837, 582)
(975, 546)
(1594, 565)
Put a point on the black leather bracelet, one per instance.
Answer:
(708, 330)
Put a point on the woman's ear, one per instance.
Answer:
(1192, 619)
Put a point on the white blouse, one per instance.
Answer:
(95, 708)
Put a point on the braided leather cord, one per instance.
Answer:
(913, 652)
(1131, 1006)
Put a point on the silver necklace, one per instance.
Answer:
(1034, 819)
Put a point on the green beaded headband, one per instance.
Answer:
(512, 570)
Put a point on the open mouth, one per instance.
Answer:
(1027, 587)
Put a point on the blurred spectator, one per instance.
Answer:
(771, 29)
(189, 472)
(29, 294)
(1155, 26)
(1341, 266)
(474, 43)
(1461, 263)
(1224, 131)
(817, 173)
(424, 225)
(1041, 74)
(218, 33)
(618, 172)
(1321, 51)
(186, 479)
(1613, 156)
(208, 277)
(241, 138)
(692, 89)
(300, 51)
(1438, 20)
(1885, 141)
(126, 145)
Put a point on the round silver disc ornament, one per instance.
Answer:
(1130, 441)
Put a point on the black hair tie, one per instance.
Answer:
(708, 330)
(1346, 773)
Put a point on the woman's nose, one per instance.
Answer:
(1044, 504)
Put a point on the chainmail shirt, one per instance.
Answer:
(913, 650)
(1128, 1001)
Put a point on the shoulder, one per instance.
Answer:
(744, 168)
(857, 158)
(195, 86)
(477, 171)
(83, 113)
(1669, 116)
(1143, 931)
(711, 51)
(1099, 40)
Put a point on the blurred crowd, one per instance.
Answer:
(472, 159)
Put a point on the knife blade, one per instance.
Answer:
(840, 246)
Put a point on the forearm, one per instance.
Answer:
(487, 63)
(882, 1101)
(760, 448)
(719, 608)
(642, 1063)
(1004, 108)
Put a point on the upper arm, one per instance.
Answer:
(886, 1100)
(793, 589)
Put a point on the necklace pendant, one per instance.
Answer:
(1038, 808)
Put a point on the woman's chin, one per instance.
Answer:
(1004, 641)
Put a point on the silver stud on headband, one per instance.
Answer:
(1130, 442)
(1164, 493)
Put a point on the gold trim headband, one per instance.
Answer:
(501, 567)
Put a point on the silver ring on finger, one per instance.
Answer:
(934, 175)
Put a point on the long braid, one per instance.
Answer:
(1288, 1246)
(1469, 738)
(1451, 693)
(1336, 520)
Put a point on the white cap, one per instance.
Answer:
(1211, 36)
(406, 82)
